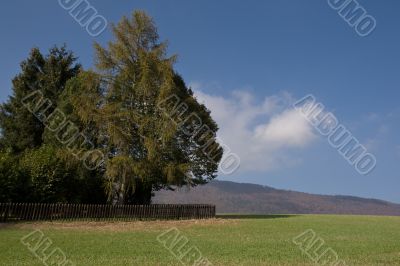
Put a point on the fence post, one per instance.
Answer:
(6, 212)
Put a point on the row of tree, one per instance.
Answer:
(116, 108)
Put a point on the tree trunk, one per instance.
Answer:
(141, 195)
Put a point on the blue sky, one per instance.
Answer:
(248, 60)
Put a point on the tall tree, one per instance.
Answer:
(149, 125)
(31, 169)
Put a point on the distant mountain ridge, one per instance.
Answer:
(231, 197)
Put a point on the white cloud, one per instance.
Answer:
(263, 133)
(288, 128)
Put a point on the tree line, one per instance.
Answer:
(112, 134)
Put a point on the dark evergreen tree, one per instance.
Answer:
(48, 74)
(31, 168)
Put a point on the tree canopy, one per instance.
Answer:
(133, 107)
(31, 169)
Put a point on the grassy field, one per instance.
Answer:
(228, 240)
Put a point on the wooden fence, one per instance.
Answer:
(12, 212)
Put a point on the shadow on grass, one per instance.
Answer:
(254, 216)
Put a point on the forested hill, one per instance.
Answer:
(231, 197)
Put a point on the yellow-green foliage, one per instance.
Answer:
(120, 99)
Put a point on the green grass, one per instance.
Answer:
(229, 240)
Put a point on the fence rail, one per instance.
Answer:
(12, 212)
